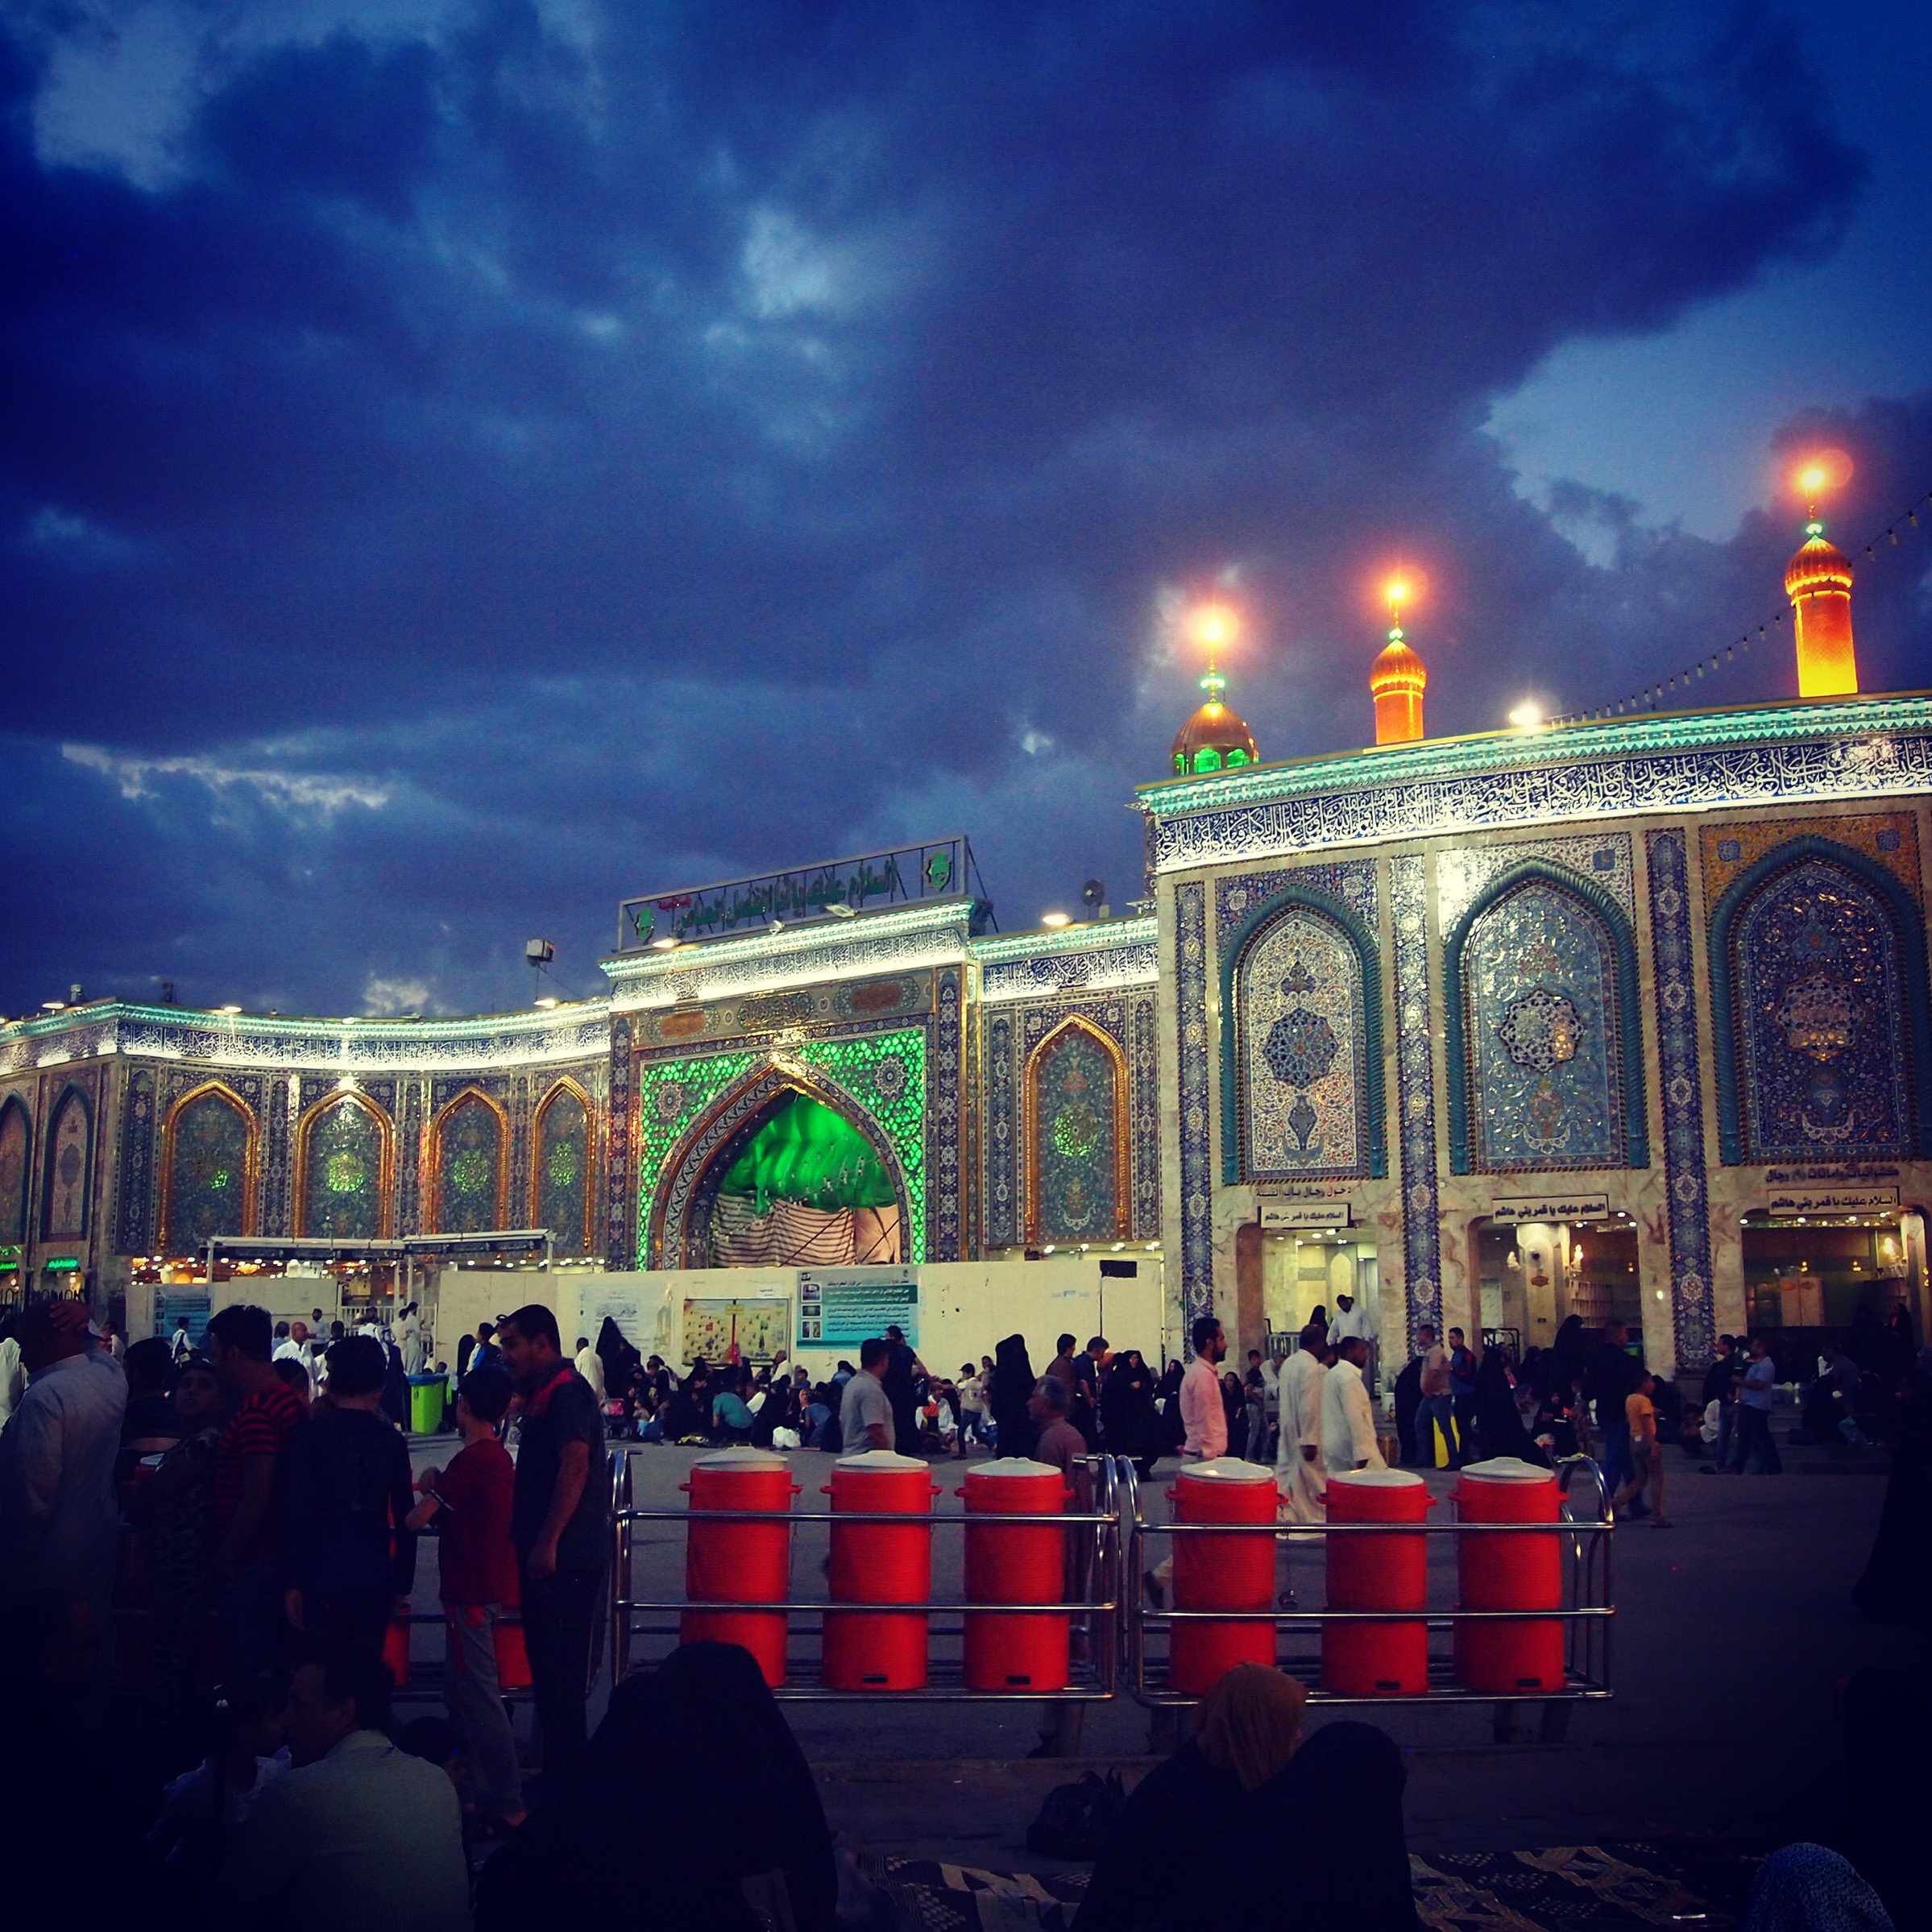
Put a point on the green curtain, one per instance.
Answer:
(807, 1152)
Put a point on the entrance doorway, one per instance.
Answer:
(1532, 1276)
(1819, 1271)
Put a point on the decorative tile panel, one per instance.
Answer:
(277, 1160)
(1093, 958)
(1078, 1159)
(1196, 1144)
(892, 998)
(212, 1146)
(879, 1080)
(1415, 1093)
(1143, 1073)
(1013, 1030)
(1887, 838)
(1603, 859)
(1352, 881)
(1543, 1046)
(16, 1164)
(623, 1236)
(468, 1163)
(945, 1119)
(1821, 1015)
(1687, 1199)
(137, 1163)
(1002, 1162)
(1300, 1027)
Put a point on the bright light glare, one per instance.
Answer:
(1213, 626)
(1397, 590)
(1526, 717)
(1054, 919)
(1824, 470)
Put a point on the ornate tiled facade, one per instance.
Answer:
(1401, 996)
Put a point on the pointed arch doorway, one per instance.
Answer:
(785, 1171)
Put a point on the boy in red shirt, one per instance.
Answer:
(469, 1503)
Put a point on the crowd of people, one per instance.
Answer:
(205, 1548)
(205, 1545)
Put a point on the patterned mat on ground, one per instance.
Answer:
(1615, 1888)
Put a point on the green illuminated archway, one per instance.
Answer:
(809, 1152)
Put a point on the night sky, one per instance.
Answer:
(463, 464)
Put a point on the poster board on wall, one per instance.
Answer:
(841, 1307)
(753, 1328)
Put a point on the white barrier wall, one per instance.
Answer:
(964, 1307)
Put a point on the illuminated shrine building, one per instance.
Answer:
(1625, 1018)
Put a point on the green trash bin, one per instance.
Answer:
(428, 1395)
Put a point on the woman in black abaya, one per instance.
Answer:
(1499, 1430)
(1896, 1587)
(693, 1785)
(1129, 1424)
(1007, 1396)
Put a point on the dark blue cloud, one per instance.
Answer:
(725, 434)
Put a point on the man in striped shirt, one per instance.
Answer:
(247, 1465)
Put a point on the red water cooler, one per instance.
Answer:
(1013, 1561)
(1221, 1572)
(1509, 1573)
(738, 1562)
(885, 1563)
(1377, 1572)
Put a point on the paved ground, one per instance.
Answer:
(1731, 1630)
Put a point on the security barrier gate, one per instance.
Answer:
(1123, 1643)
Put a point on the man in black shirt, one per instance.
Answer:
(1610, 1374)
(559, 1523)
(348, 1557)
(904, 1372)
(1730, 1360)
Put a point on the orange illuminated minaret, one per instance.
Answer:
(1818, 582)
(1397, 679)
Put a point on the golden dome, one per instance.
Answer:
(1398, 669)
(1214, 740)
(1817, 565)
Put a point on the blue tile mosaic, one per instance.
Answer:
(1300, 1023)
(1195, 1151)
(1013, 1030)
(1542, 999)
(1352, 881)
(1415, 1094)
(1687, 1205)
(1818, 961)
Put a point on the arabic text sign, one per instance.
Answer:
(1826, 1201)
(1507, 1211)
(1306, 1214)
(840, 1307)
(933, 871)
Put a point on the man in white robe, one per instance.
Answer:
(1299, 1474)
(1348, 1417)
